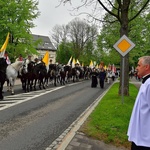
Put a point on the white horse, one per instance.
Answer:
(12, 73)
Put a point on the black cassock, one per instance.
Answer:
(94, 79)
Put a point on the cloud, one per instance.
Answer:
(50, 16)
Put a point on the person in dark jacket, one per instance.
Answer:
(94, 78)
(102, 76)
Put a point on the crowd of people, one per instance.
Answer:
(20, 58)
(98, 76)
(101, 76)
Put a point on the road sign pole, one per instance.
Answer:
(122, 85)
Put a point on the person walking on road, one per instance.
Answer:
(102, 76)
(139, 126)
(94, 81)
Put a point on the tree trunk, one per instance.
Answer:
(124, 74)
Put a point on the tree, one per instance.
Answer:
(64, 52)
(137, 32)
(80, 34)
(16, 18)
(108, 36)
(122, 15)
(59, 34)
(81, 37)
(119, 9)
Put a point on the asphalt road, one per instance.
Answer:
(33, 121)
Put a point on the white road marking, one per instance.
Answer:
(13, 100)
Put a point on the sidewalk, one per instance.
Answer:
(81, 142)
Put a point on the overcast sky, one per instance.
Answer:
(52, 15)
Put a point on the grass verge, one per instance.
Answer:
(109, 121)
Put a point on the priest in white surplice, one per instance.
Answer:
(139, 126)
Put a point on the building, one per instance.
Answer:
(45, 45)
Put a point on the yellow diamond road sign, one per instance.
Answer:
(124, 45)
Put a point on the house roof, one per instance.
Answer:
(46, 43)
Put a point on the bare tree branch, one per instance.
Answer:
(139, 11)
(112, 5)
(95, 18)
(110, 12)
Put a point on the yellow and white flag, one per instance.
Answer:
(46, 58)
(78, 62)
(69, 62)
(105, 67)
(73, 62)
(3, 48)
(97, 66)
(91, 64)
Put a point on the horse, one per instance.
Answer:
(75, 74)
(54, 73)
(68, 73)
(24, 77)
(3, 66)
(28, 76)
(37, 72)
(12, 73)
(62, 73)
(87, 71)
(42, 74)
(47, 77)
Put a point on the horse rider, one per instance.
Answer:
(7, 58)
(8, 63)
(52, 67)
(37, 61)
(20, 58)
(51, 61)
(29, 59)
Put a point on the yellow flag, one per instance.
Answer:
(46, 58)
(3, 48)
